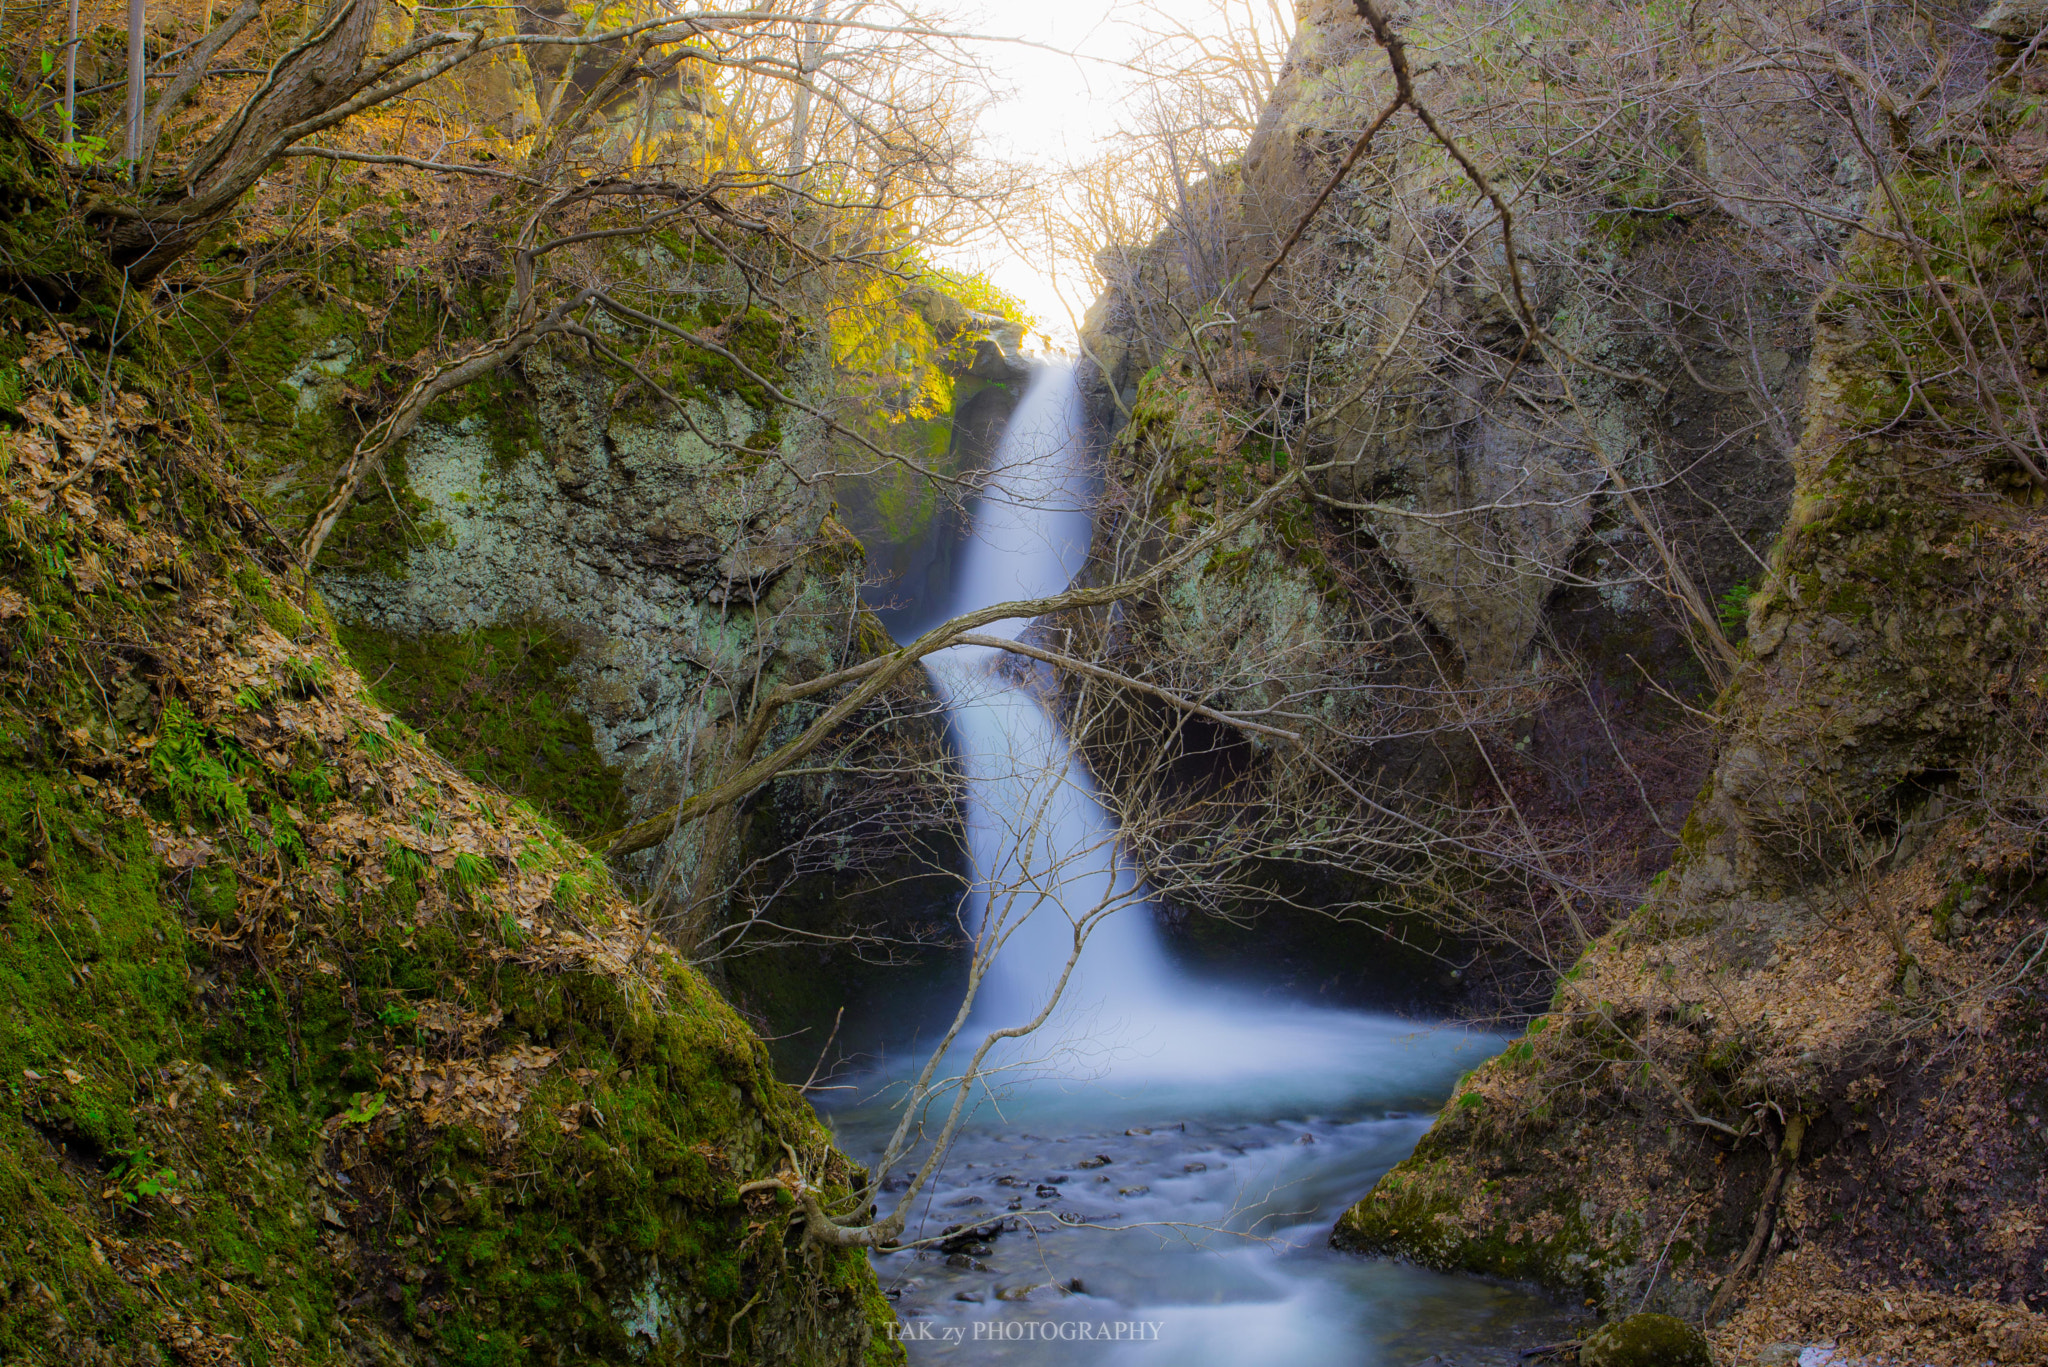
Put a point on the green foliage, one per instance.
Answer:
(201, 773)
(137, 1174)
(1733, 611)
(368, 1107)
(88, 149)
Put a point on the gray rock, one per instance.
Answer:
(993, 364)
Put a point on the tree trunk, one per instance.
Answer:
(132, 140)
(314, 77)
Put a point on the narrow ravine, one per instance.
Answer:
(1186, 1146)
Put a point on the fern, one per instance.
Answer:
(198, 780)
(1734, 608)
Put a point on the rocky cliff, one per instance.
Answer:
(572, 585)
(1792, 1091)
(1506, 576)
(1811, 1055)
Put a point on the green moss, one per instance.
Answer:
(759, 341)
(1646, 1341)
(225, 1012)
(1416, 1213)
(277, 355)
(384, 525)
(101, 1023)
(102, 1019)
(501, 404)
(496, 702)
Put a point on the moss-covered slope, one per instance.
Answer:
(315, 1050)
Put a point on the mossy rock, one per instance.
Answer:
(1646, 1341)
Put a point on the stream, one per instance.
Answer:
(1151, 1177)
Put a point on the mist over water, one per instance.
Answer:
(1174, 1115)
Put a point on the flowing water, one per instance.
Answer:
(1152, 1176)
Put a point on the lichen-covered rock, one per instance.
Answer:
(1511, 560)
(631, 535)
(1648, 1340)
(575, 594)
(1474, 508)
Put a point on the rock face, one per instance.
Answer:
(683, 586)
(913, 521)
(1799, 1082)
(1790, 1090)
(678, 579)
(554, 568)
(1511, 565)
(1485, 504)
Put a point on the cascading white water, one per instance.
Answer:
(1220, 1115)
(1044, 851)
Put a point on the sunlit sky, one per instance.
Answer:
(1062, 107)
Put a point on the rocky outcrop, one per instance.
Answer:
(681, 582)
(1790, 1091)
(1801, 1079)
(1484, 482)
(575, 589)
(1510, 568)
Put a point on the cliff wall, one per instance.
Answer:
(1818, 1035)
(1792, 1091)
(571, 584)
(1506, 578)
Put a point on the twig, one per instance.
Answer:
(377, 159)
(1658, 1270)
(836, 1018)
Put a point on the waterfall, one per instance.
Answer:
(1044, 850)
(1153, 1099)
